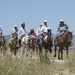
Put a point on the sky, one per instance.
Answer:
(34, 12)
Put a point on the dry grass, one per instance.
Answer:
(27, 66)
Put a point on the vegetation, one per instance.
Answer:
(45, 65)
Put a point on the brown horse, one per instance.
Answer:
(13, 45)
(63, 42)
(46, 42)
(2, 45)
(32, 45)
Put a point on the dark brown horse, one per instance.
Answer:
(46, 42)
(32, 45)
(2, 45)
(13, 45)
(63, 42)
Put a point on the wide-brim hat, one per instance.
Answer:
(45, 20)
(15, 25)
(41, 24)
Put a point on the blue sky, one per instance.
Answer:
(34, 12)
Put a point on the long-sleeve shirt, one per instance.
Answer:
(22, 32)
(45, 28)
(32, 35)
(14, 31)
(62, 28)
(39, 32)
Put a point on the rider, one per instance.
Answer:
(14, 33)
(1, 31)
(61, 29)
(15, 30)
(45, 27)
(1, 34)
(32, 35)
(22, 32)
(39, 34)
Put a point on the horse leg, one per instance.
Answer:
(30, 51)
(59, 53)
(50, 49)
(55, 51)
(23, 47)
(33, 50)
(4, 51)
(14, 52)
(26, 50)
(67, 53)
(1, 51)
(40, 49)
(37, 51)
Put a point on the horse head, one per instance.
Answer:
(69, 36)
(25, 39)
(49, 32)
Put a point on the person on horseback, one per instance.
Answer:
(39, 34)
(2, 38)
(22, 32)
(1, 31)
(15, 30)
(32, 35)
(14, 33)
(45, 27)
(61, 29)
(1, 34)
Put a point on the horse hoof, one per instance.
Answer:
(58, 58)
(50, 51)
(54, 55)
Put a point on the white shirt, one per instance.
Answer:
(22, 32)
(45, 28)
(39, 32)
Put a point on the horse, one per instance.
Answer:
(46, 42)
(13, 45)
(32, 44)
(2, 45)
(25, 46)
(63, 42)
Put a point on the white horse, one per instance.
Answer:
(24, 43)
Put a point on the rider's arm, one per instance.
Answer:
(66, 27)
